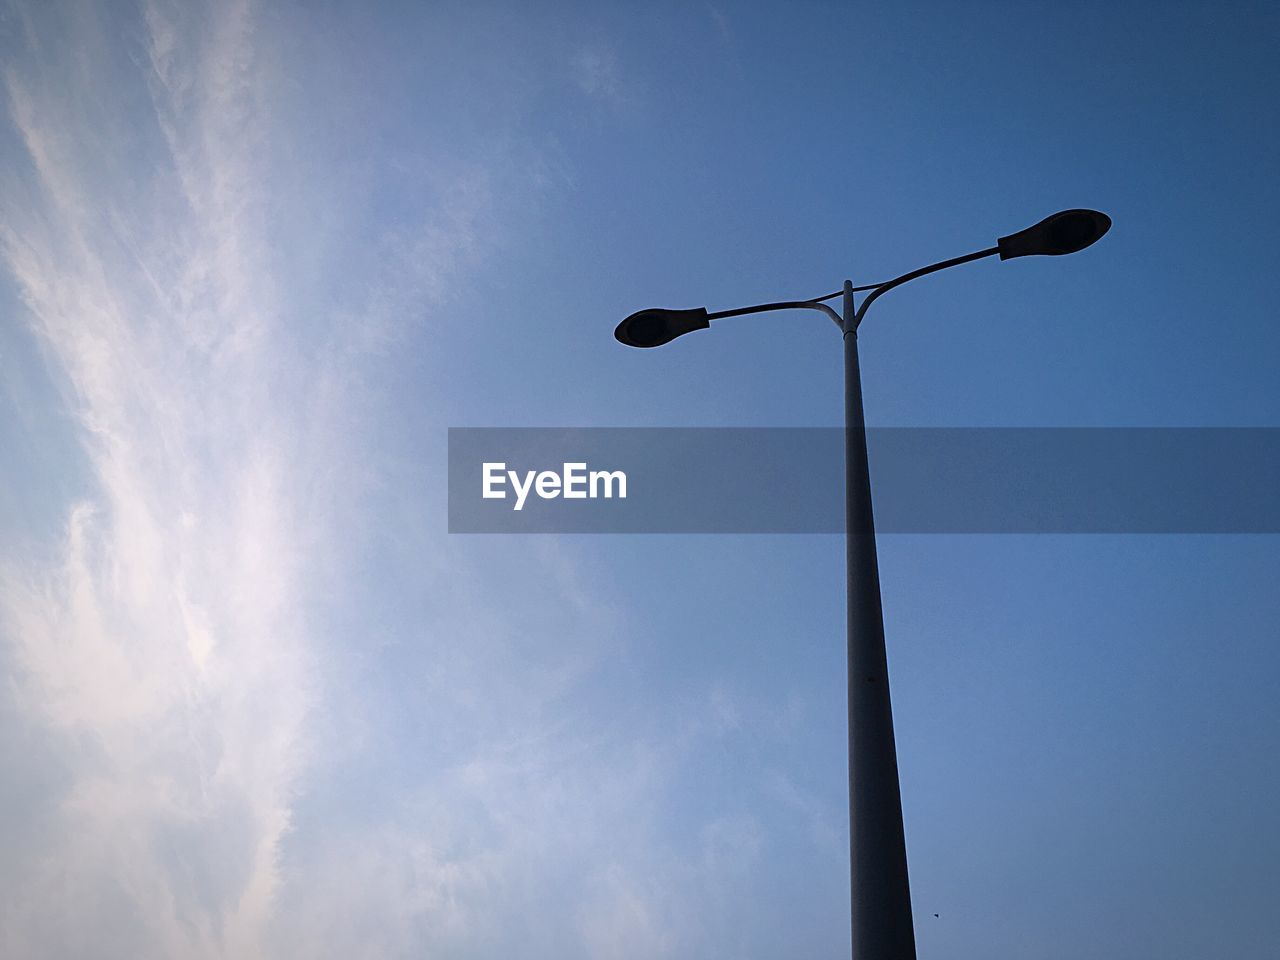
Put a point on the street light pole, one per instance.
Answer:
(880, 906)
(880, 894)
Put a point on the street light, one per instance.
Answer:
(880, 893)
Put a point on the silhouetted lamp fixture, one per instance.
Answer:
(653, 328)
(1065, 232)
(880, 907)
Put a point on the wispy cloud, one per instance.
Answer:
(169, 663)
(597, 73)
(721, 20)
(215, 753)
(163, 657)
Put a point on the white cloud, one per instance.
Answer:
(206, 767)
(169, 661)
(164, 656)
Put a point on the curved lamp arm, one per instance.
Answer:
(784, 305)
(899, 281)
(1059, 233)
(815, 304)
(674, 323)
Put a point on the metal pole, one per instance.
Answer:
(881, 896)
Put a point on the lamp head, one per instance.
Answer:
(1064, 232)
(654, 327)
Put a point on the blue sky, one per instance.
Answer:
(258, 257)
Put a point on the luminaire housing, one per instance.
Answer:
(1064, 232)
(654, 327)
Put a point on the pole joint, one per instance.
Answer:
(850, 314)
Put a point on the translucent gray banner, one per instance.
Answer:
(924, 480)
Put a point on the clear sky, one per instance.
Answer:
(257, 257)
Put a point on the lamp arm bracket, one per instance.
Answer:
(785, 305)
(932, 268)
